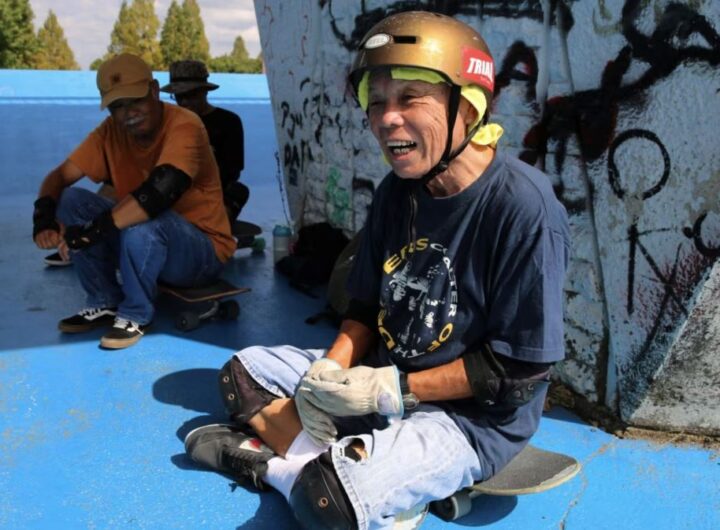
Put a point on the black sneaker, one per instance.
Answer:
(226, 448)
(87, 319)
(124, 333)
(56, 260)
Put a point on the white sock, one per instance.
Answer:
(282, 472)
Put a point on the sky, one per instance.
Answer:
(87, 25)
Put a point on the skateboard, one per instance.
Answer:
(214, 293)
(246, 235)
(533, 470)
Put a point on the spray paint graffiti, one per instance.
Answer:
(338, 199)
(530, 9)
(695, 233)
(654, 251)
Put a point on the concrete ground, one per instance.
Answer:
(93, 439)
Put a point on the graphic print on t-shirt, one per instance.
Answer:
(418, 301)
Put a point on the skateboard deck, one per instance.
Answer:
(218, 289)
(214, 293)
(533, 470)
(246, 235)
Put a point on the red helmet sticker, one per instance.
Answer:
(478, 67)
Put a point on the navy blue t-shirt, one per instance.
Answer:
(486, 265)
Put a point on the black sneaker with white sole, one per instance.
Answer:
(229, 450)
(124, 333)
(56, 260)
(88, 319)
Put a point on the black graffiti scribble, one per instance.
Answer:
(695, 233)
(614, 175)
(634, 235)
(592, 114)
(532, 9)
(641, 361)
(519, 64)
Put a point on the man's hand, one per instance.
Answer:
(355, 391)
(317, 423)
(63, 250)
(48, 239)
(79, 237)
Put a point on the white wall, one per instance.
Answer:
(619, 101)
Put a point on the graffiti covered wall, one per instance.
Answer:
(618, 101)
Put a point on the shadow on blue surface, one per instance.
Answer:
(94, 439)
(488, 511)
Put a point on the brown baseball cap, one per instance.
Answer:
(123, 76)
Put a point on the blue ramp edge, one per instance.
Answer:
(93, 439)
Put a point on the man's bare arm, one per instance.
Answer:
(441, 383)
(352, 343)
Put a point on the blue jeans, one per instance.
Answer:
(168, 249)
(411, 461)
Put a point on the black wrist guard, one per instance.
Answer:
(78, 237)
(44, 215)
(491, 385)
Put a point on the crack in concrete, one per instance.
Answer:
(584, 482)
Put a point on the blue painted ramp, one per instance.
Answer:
(92, 439)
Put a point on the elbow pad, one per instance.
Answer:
(491, 385)
(162, 189)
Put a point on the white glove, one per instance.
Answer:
(317, 423)
(356, 391)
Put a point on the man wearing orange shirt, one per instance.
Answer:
(168, 223)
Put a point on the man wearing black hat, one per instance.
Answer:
(189, 88)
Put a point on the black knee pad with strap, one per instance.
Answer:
(318, 500)
(235, 196)
(242, 395)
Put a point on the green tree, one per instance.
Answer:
(200, 47)
(54, 52)
(239, 51)
(18, 44)
(135, 32)
(183, 34)
(237, 61)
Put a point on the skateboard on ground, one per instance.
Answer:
(246, 235)
(533, 470)
(213, 294)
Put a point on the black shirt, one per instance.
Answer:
(226, 138)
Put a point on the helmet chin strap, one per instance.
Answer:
(449, 155)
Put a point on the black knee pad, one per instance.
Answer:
(318, 500)
(235, 196)
(242, 395)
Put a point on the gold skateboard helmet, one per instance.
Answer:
(433, 41)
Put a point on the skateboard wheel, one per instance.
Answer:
(229, 310)
(258, 245)
(187, 321)
(454, 507)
